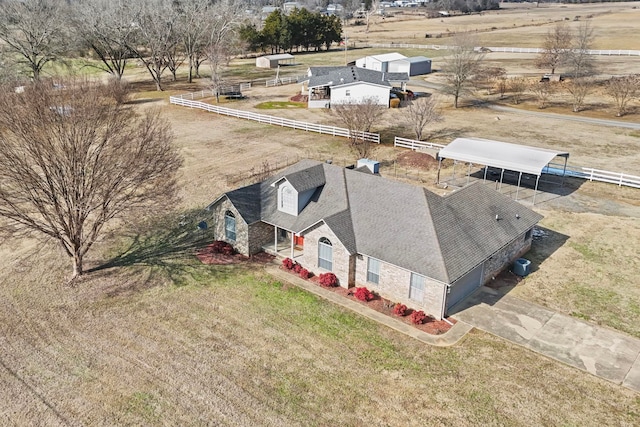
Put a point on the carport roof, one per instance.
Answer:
(279, 57)
(503, 155)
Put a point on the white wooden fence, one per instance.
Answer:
(186, 101)
(612, 177)
(612, 52)
(415, 145)
(285, 80)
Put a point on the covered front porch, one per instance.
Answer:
(285, 244)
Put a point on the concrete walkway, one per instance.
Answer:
(451, 337)
(600, 351)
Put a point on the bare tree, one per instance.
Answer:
(221, 39)
(556, 47)
(542, 91)
(579, 88)
(72, 161)
(581, 63)
(359, 118)
(517, 87)
(35, 30)
(622, 90)
(487, 77)
(370, 11)
(105, 28)
(462, 63)
(420, 113)
(155, 30)
(502, 85)
(193, 31)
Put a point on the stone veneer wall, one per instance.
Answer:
(260, 234)
(395, 283)
(241, 244)
(503, 259)
(341, 256)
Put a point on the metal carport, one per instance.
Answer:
(501, 155)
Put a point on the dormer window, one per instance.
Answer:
(287, 199)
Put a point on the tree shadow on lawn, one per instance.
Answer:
(168, 244)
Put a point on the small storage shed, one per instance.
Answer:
(272, 61)
(414, 66)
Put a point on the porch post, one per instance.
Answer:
(518, 188)
(275, 239)
(292, 236)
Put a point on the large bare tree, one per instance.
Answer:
(623, 90)
(581, 62)
(192, 29)
(517, 86)
(221, 40)
(422, 112)
(556, 47)
(72, 160)
(358, 118)
(34, 30)
(105, 27)
(460, 65)
(542, 91)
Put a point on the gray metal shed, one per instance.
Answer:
(272, 61)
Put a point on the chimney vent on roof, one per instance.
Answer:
(328, 161)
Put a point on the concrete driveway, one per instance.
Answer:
(600, 351)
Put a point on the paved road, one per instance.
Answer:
(554, 116)
(600, 351)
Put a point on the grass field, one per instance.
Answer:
(179, 343)
(164, 340)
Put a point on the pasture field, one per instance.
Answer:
(164, 340)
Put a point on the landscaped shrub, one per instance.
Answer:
(363, 294)
(400, 309)
(418, 317)
(222, 247)
(328, 280)
(297, 268)
(304, 273)
(287, 263)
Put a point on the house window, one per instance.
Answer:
(416, 291)
(230, 226)
(325, 254)
(373, 271)
(347, 92)
(288, 202)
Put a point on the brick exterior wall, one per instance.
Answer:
(260, 234)
(395, 283)
(503, 259)
(241, 244)
(341, 257)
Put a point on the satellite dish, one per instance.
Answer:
(202, 225)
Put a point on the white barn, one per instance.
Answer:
(378, 62)
(396, 63)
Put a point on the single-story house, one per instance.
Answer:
(350, 85)
(396, 63)
(402, 241)
(272, 61)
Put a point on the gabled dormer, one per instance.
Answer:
(296, 189)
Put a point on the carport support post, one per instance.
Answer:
(439, 166)
(501, 176)
(564, 171)
(518, 188)
(536, 189)
(454, 172)
(486, 168)
(469, 174)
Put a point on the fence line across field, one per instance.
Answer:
(601, 52)
(187, 100)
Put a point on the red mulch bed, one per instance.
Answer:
(207, 256)
(417, 160)
(299, 98)
(384, 306)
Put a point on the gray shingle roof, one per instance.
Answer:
(338, 76)
(405, 225)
